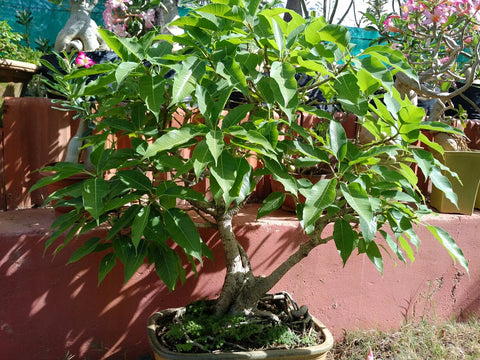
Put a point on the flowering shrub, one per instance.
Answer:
(129, 17)
(438, 37)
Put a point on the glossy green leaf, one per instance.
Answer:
(107, 263)
(338, 139)
(375, 256)
(271, 203)
(123, 70)
(172, 139)
(284, 86)
(87, 248)
(214, 140)
(449, 243)
(135, 180)
(348, 94)
(167, 264)
(345, 239)
(318, 197)
(357, 198)
(124, 221)
(151, 90)
(393, 245)
(130, 255)
(139, 223)
(442, 183)
(236, 115)
(186, 79)
(183, 231)
(224, 173)
(94, 190)
(201, 158)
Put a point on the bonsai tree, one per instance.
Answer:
(196, 119)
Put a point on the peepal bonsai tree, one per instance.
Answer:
(234, 81)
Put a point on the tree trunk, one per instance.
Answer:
(80, 32)
(239, 274)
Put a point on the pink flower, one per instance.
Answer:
(390, 25)
(370, 355)
(149, 18)
(83, 60)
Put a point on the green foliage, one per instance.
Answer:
(11, 46)
(232, 47)
(200, 331)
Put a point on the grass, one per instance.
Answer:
(416, 341)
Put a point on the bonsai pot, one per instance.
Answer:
(466, 165)
(318, 352)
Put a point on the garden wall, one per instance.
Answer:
(50, 309)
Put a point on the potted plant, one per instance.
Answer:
(147, 194)
(18, 63)
(439, 41)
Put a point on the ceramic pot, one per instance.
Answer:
(318, 352)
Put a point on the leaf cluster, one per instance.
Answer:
(192, 149)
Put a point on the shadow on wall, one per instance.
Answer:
(35, 134)
(51, 309)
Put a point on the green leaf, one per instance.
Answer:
(281, 174)
(94, 190)
(236, 115)
(87, 248)
(61, 170)
(139, 223)
(172, 139)
(223, 11)
(201, 158)
(449, 243)
(442, 183)
(338, 139)
(166, 264)
(345, 239)
(278, 35)
(107, 263)
(348, 94)
(183, 231)
(135, 180)
(132, 257)
(284, 86)
(124, 221)
(151, 90)
(224, 173)
(318, 197)
(393, 245)
(185, 80)
(214, 140)
(375, 256)
(272, 202)
(357, 198)
(123, 70)
(126, 48)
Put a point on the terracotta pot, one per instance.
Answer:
(318, 352)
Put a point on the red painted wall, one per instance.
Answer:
(49, 309)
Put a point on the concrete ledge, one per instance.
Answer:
(49, 308)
